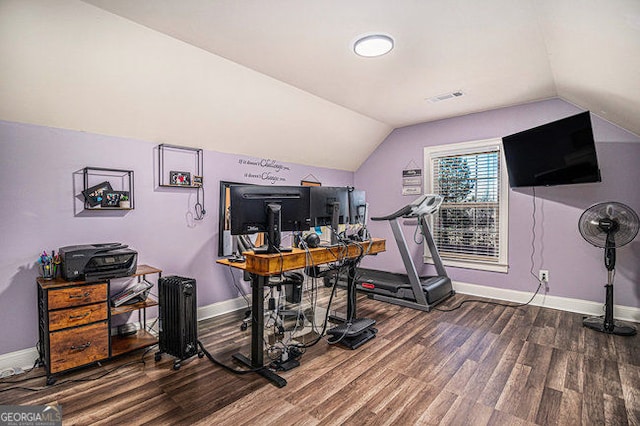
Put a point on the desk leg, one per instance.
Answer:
(257, 333)
(351, 291)
(351, 296)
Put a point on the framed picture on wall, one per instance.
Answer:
(310, 180)
(180, 178)
(114, 198)
(110, 199)
(96, 193)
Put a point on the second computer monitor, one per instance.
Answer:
(357, 207)
(329, 207)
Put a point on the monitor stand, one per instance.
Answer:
(335, 212)
(274, 218)
(270, 249)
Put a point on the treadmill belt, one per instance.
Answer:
(370, 279)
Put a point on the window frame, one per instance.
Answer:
(470, 148)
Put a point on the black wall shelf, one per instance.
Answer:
(121, 182)
(164, 178)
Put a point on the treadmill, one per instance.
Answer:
(409, 289)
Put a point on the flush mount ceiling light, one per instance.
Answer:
(371, 46)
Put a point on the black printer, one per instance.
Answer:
(94, 262)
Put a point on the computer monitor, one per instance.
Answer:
(357, 207)
(329, 207)
(269, 209)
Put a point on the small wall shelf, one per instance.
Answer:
(172, 178)
(103, 189)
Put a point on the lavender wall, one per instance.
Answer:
(576, 268)
(38, 168)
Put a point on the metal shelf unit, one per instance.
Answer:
(126, 183)
(162, 151)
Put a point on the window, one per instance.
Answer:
(470, 229)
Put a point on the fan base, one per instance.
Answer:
(597, 323)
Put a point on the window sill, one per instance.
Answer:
(492, 267)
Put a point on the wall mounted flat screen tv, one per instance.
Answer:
(559, 153)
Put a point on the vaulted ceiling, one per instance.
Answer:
(496, 52)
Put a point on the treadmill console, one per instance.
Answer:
(426, 204)
(422, 206)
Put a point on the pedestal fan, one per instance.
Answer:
(609, 226)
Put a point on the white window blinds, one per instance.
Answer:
(468, 227)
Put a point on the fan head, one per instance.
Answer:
(611, 222)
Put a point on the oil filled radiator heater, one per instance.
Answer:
(177, 322)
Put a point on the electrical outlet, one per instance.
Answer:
(543, 275)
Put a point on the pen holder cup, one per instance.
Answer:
(47, 271)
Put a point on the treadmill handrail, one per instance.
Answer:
(403, 211)
(426, 204)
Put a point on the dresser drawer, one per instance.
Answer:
(76, 296)
(72, 317)
(78, 346)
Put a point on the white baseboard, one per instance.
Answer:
(221, 308)
(25, 358)
(624, 313)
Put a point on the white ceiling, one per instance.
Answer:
(498, 52)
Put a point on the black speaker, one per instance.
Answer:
(293, 282)
(312, 240)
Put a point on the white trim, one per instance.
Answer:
(492, 267)
(224, 307)
(587, 307)
(25, 358)
(461, 148)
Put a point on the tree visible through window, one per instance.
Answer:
(468, 225)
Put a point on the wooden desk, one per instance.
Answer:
(261, 266)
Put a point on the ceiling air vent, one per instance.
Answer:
(450, 95)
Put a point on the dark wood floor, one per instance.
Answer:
(481, 364)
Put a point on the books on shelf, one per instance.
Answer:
(132, 294)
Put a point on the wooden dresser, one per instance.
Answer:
(75, 323)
